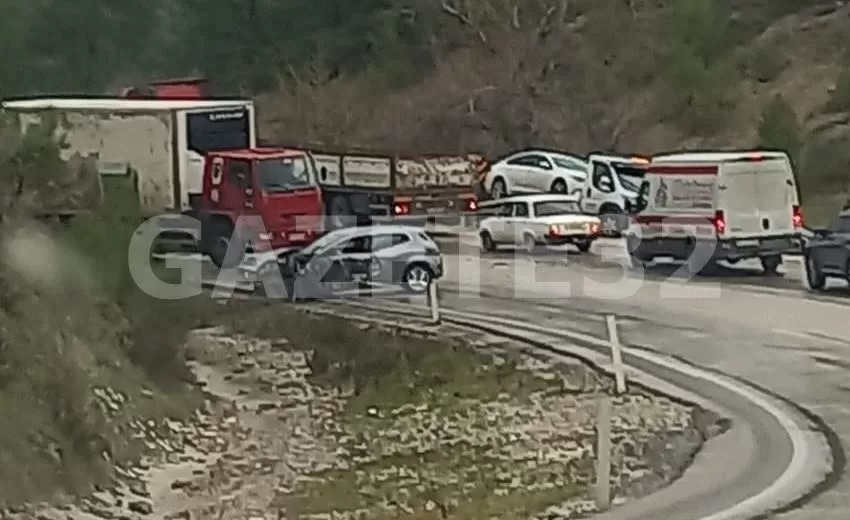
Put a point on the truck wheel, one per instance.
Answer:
(770, 264)
(339, 213)
(218, 240)
(814, 277)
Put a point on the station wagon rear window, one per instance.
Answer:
(555, 207)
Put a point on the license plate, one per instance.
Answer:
(438, 209)
(747, 243)
(297, 236)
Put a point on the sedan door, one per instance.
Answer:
(521, 172)
(503, 230)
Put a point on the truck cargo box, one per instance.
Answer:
(162, 141)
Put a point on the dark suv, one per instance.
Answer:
(827, 252)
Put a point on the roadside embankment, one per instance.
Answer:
(316, 417)
(85, 358)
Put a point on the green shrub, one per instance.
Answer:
(699, 74)
(824, 166)
(840, 100)
(779, 127)
(765, 63)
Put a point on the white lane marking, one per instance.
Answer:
(809, 336)
(795, 333)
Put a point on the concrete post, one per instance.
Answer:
(616, 353)
(603, 453)
(434, 302)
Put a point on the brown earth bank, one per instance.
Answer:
(316, 417)
(631, 76)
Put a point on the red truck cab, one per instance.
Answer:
(258, 199)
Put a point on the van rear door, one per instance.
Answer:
(757, 198)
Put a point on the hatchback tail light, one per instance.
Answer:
(799, 222)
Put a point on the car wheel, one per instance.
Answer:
(770, 264)
(498, 190)
(814, 277)
(530, 244)
(559, 186)
(584, 244)
(417, 278)
(487, 243)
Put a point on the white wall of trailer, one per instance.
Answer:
(140, 140)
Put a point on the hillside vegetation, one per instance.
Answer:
(84, 352)
(629, 75)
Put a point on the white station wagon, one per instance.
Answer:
(532, 221)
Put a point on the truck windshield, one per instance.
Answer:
(555, 207)
(284, 174)
(630, 175)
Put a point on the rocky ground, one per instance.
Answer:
(454, 433)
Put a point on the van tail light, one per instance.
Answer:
(471, 205)
(594, 228)
(554, 230)
(799, 222)
(719, 222)
(401, 208)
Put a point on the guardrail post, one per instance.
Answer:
(434, 302)
(603, 453)
(616, 353)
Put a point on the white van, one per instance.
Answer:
(612, 187)
(742, 204)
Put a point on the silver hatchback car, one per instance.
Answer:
(374, 255)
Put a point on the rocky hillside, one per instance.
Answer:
(628, 75)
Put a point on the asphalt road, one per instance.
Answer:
(780, 339)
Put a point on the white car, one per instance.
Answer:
(532, 221)
(536, 171)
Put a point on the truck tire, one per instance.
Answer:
(218, 237)
(339, 213)
(770, 264)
